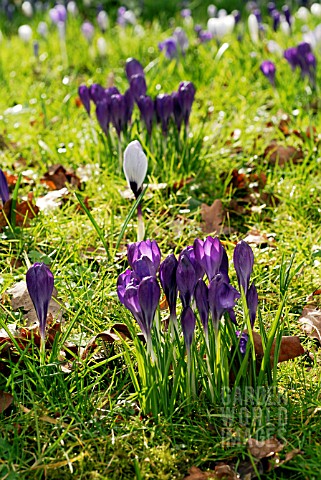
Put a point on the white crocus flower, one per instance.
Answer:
(25, 33)
(102, 46)
(72, 8)
(219, 27)
(103, 20)
(316, 9)
(285, 27)
(253, 25)
(135, 166)
(27, 9)
(303, 14)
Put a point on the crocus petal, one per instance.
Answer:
(4, 189)
(40, 282)
(186, 279)
(135, 166)
(252, 301)
(133, 67)
(188, 321)
(167, 275)
(148, 296)
(243, 263)
(201, 299)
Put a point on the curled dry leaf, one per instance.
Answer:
(310, 321)
(6, 400)
(290, 348)
(213, 217)
(264, 448)
(24, 210)
(58, 177)
(222, 472)
(280, 154)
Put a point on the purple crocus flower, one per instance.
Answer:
(252, 301)
(186, 91)
(287, 13)
(167, 275)
(4, 189)
(243, 263)
(83, 92)
(88, 30)
(268, 69)
(311, 63)
(201, 299)
(276, 17)
(133, 67)
(58, 14)
(129, 103)
(205, 36)
(186, 279)
(186, 12)
(291, 55)
(237, 16)
(103, 114)
(96, 92)
(138, 85)
(271, 7)
(258, 15)
(243, 341)
(188, 321)
(148, 297)
(146, 251)
(146, 108)
(181, 39)
(177, 110)
(169, 46)
(40, 282)
(189, 252)
(221, 298)
(209, 254)
(118, 112)
(164, 110)
(131, 302)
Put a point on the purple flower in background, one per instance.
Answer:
(209, 254)
(58, 14)
(291, 55)
(186, 12)
(201, 299)
(276, 17)
(268, 69)
(188, 321)
(181, 39)
(133, 67)
(146, 251)
(205, 36)
(84, 96)
(287, 13)
(96, 92)
(198, 28)
(138, 85)
(243, 263)
(88, 30)
(4, 189)
(252, 301)
(186, 91)
(146, 108)
(221, 298)
(167, 275)
(271, 7)
(118, 112)
(237, 16)
(258, 15)
(40, 282)
(164, 110)
(169, 46)
(103, 20)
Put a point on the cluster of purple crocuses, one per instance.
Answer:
(115, 108)
(199, 277)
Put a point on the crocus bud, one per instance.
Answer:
(186, 93)
(103, 20)
(58, 14)
(103, 114)
(138, 85)
(27, 9)
(133, 67)
(4, 189)
(118, 112)
(316, 9)
(135, 166)
(146, 249)
(177, 110)
(148, 296)
(252, 301)
(25, 33)
(146, 108)
(276, 17)
(253, 25)
(188, 321)
(88, 31)
(209, 254)
(243, 263)
(268, 69)
(186, 279)
(96, 92)
(164, 110)
(84, 96)
(287, 13)
(221, 298)
(40, 282)
(167, 275)
(201, 299)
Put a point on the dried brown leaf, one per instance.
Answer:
(264, 448)
(213, 217)
(58, 177)
(310, 321)
(6, 400)
(24, 210)
(280, 154)
(290, 348)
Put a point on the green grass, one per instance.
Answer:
(86, 424)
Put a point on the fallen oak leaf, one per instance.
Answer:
(6, 400)
(213, 217)
(280, 154)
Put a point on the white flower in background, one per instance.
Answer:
(130, 17)
(274, 47)
(25, 33)
(102, 46)
(72, 8)
(135, 166)
(221, 13)
(316, 9)
(27, 9)
(211, 11)
(42, 29)
(313, 37)
(219, 27)
(253, 25)
(285, 27)
(302, 14)
(103, 20)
